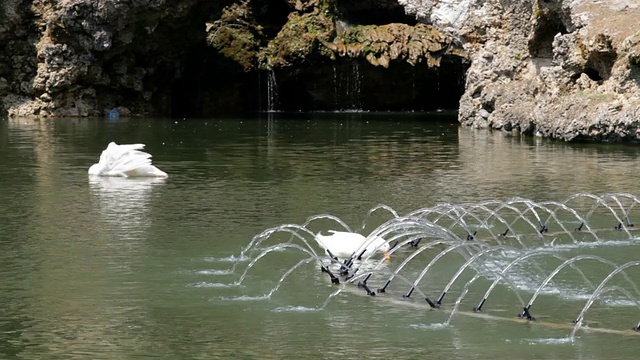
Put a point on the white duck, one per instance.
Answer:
(343, 243)
(126, 161)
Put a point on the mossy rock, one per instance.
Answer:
(238, 44)
(381, 44)
(298, 39)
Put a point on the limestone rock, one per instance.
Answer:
(566, 69)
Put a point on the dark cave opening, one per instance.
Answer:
(593, 74)
(541, 43)
(215, 87)
(600, 64)
(212, 85)
(358, 85)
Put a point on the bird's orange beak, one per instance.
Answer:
(386, 256)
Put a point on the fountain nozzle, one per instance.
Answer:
(479, 307)
(334, 279)
(431, 303)
(363, 284)
(415, 243)
(526, 314)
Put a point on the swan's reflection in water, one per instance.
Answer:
(124, 203)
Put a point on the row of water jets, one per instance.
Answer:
(492, 237)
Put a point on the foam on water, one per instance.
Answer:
(295, 309)
(433, 326)
(550, 341)
(214, 272)
(232, 258)
(214, 285)
(242, 298)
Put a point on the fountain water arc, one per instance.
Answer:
(570, 262)
(596, 293)
(489, 238)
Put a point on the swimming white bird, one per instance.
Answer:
(343, 243)
(127, 161)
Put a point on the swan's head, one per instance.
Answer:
(384, 247)
(95, 169)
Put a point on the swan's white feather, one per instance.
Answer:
(126, 160)
(343, 243)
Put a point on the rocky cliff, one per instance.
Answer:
(567, 69)
(562, 69)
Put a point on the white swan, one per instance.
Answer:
(343, 243)
(126, 161)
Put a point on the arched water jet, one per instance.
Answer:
(408, 259)
(493, 213)
(465, 290)
(483, 205)
(562, 206)
(543, 251)
(624, 212)
(600, 201)
(596, 293)
(463, 267)
(326, 217)
(434, 260)
(376, 208)
(266, 234)
(458, 219)
(571, 262)
(272, 249)
(287, 273)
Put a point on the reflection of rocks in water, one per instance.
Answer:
(124, 202)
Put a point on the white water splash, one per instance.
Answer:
(242, 298)
(232, 258)
(552, 341)
(434, 326)
(295, 309)
(213, 285)
(214, 272)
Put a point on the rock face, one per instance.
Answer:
(562, 69)
(82, 58)
(202, 57)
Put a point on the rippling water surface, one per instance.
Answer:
(114, 268)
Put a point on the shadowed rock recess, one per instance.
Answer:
(562, 69)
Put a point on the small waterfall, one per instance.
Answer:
(356, 82)
(346, 87)
(272, 91)
(335, 87)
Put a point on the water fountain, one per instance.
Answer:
(517, 248)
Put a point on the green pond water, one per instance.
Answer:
(113, 268)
